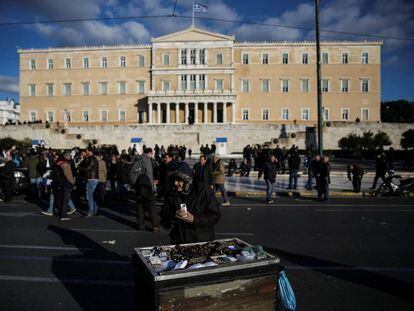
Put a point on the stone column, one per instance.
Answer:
(215, 112)
(150, 113)
(233, 112)
(177, 112)
(187, 113)
(196, 113)
(168, 113)
(159, 113)
(205, 112)
(224, 112)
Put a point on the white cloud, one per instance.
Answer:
(9, 84)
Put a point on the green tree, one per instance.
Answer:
(407, 139)
(397, 111)
(363, 146)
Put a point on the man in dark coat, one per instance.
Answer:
(323, 179)
(270, 170)
(355, 173)
(192, 209)
(7, 179)
(202, 172)
(293, 163)
(380, 167)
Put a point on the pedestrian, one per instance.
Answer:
(219, 179)
(293, 164)
(7, 179)
(355, 174)
(191, 209)
(270, 171)
(101, 187)
(122, 179)
(244, 168)
(203, 172)
(145, 197)
(323, 179)
(64, 184)
(190, 152)
(113, 167)
(91, 169)
(231, 168)
(380, 167)
(31, 163)
(312, 171)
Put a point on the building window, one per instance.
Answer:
(305, 113)
(192, 82)
(245, 86)
(325, 114)
(305, 58)
(122, 61)
(364, 58)
(32, 89)
(344, 85)
(202, 82)
(285, 58)
(245, 59)
(122, 87)
(265, 114)
(184, 57)
(325, 58)
(50, 116)
(68, 63)
(85, 116)
(202, 56)
(285, 114)
(141, 61)
(219, 84)
(50, 89)
(85, 62)
(364, 114)
(33, 116)
(50, 64)
(265, 86)
(165, 85)
(166, 59)
(183, 84)
(284, 86)
(345, 114)
(122, 115)
(245, 114)
(68, 89)
(67, 116)
(141, 87)
(304, 85)
(219, 58)
(265, 58)
(32, 64)
(364, 85)
(345, 58)
(85, 88)
(104, 116)
(104, 62)
(325, 85)
(192, 56)
(104, 88)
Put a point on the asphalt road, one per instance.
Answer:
(350, 254)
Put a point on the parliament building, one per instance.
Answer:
(196, 76)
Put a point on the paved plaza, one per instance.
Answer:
(349, 254)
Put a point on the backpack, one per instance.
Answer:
(137, 169)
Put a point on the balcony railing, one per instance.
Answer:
(191, 92)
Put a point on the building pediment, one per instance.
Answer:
(193, 34)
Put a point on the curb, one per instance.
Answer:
(298, 194)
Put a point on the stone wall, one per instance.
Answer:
(238, 135)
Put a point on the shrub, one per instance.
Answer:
(407, 139)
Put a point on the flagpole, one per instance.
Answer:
(193, 15)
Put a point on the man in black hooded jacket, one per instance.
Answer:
(196, 222)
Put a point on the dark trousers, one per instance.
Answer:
(99, 194)
(144, 204)
(62, 198)
(378, 175)
(323, 189)
(7, 186)
(356, 182)
(293, 178)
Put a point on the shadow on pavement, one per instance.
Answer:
(97, 279)
(394, 287)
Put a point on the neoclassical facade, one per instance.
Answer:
(199, 77)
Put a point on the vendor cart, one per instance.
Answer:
(245, 283)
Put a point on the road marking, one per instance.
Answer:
(59, 248)
(366, 210)
(16, 214)
(357, 268)
(109, 230)
(62, 259)
(64, 280)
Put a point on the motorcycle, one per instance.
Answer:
(395, 185)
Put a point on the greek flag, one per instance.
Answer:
(200, 8)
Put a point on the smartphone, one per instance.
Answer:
(183, 209)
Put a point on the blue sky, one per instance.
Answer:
(380, 17)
